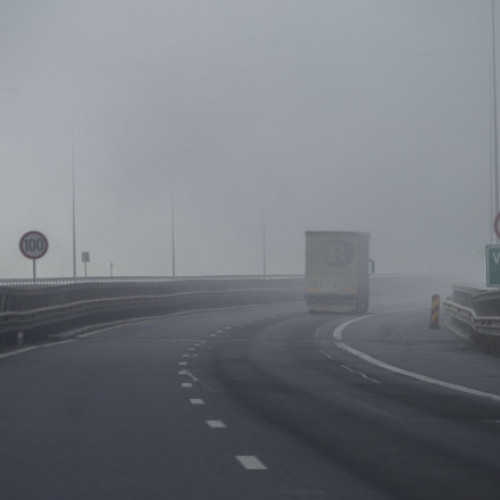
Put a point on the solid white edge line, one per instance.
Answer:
(135, 321)
(250, 462)
(145, 319)
(22, 350)
(337, 335)
(52, 344)
(18, 351)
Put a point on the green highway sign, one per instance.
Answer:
(493, 265)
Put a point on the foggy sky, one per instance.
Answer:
(363, 115)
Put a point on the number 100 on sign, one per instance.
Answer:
(33, 245)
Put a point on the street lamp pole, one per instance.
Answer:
(264, 229)
(495, 112)
(172, 225)
(73, 199)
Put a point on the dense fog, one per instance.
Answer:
(260, 118)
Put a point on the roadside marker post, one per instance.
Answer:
(435, 312)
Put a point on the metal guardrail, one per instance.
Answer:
(17, 295)
(40, 282)
(476, 311)
(59, 305)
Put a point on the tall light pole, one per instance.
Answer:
(73, 181)
(172, 225)
(495, 113)
(73, 200)
(264, 230)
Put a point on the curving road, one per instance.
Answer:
(256, 403)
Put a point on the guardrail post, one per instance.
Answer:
(435, 312)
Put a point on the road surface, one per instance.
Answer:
(256, 403)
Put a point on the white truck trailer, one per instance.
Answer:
(337, 274)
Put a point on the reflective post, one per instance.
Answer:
(435, 312)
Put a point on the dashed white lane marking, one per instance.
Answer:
(197, 401)
(250, 462)
(188, 374)
(227, 328)
(337, 335)
(361, 374)
(182, 363)
(216, 424)
(220, 331)
(190, 348)
(326, 354)
(186, 385)
(213, 334)
(186, 355)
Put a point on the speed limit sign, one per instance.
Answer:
(33, 245)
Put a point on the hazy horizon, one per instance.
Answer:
(327, 115)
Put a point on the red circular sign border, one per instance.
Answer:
(39, 234)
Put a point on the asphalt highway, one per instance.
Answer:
(255, 403)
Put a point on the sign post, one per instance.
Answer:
(493, 265)
(85, 260)
(33, 245)
(496, 225)
(493, 258)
